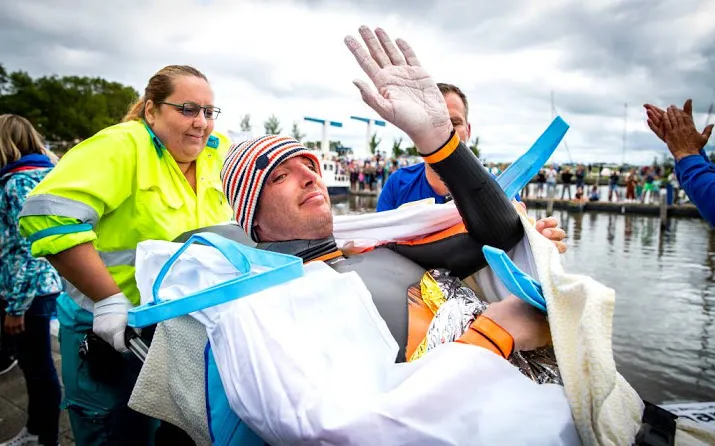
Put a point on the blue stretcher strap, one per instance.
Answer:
(521, 171)
(228, 248)
(515, 280)
(258, 270)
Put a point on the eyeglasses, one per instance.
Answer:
(192, 109)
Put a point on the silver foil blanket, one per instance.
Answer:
(458, 311)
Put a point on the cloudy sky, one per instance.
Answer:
(287, 58)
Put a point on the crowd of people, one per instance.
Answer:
(161, 173)
(644, 184)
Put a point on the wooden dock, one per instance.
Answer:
(685, 210)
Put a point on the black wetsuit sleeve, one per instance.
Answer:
(488, 215)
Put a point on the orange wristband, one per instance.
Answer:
(486, 333)
(443, 152)
(473, 337)
(495, 333)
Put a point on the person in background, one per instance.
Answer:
(540, 181)
(29, 286)
(673, 188)
(566, 177)
(594, 196)
(551, 176)
(648, 187)
(579, 194)
(631, 183)
(8, 361)
(693, 169)
(580, 177)
(152, 177)
(420, 181)
(613, 186)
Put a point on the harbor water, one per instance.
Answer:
(664, 321)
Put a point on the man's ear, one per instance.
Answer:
(469, 132)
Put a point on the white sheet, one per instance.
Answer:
(312, 362)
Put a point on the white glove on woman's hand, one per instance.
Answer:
(110, 320)
(406, 94)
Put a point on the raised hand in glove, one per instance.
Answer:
(406, 95)
(110, 320)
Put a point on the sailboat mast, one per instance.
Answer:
(625, 132)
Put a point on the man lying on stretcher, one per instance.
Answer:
(275, 187)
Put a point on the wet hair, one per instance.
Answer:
(449, 88)
(18, 138)
(159, 88)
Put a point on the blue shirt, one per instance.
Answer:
(696, 175)
(406, 185)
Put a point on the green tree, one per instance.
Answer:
(246, 123)
(272, 126)
(474, 146)
(712, 156)
(374, 143)
(3, 79)
(412, 151)
(397, 148)
(295, 133)
(67, 108)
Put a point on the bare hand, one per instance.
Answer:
(656, 121)
(406, 94)
(682, 137)
(549, 228)
(528, 326)
(14, 324)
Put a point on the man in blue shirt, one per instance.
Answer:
(420, 181)
(695, 172)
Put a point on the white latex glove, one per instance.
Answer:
(408, 97)
(110, 320)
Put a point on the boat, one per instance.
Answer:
(337, 183)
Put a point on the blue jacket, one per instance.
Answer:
(22, 277)
(696, 175)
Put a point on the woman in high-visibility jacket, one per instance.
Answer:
(154, 176)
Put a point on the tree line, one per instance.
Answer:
(64, 109)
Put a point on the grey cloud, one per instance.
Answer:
(32, 37)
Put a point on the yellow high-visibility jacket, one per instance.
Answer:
(116, 189)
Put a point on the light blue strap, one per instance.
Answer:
(521, 171)
(58, 230)
(515, 280)
(231, 250)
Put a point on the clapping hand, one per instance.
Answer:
(676, 128)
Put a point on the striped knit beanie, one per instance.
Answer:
(247, 168)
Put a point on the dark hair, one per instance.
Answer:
(449, 88)
(159, 88)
